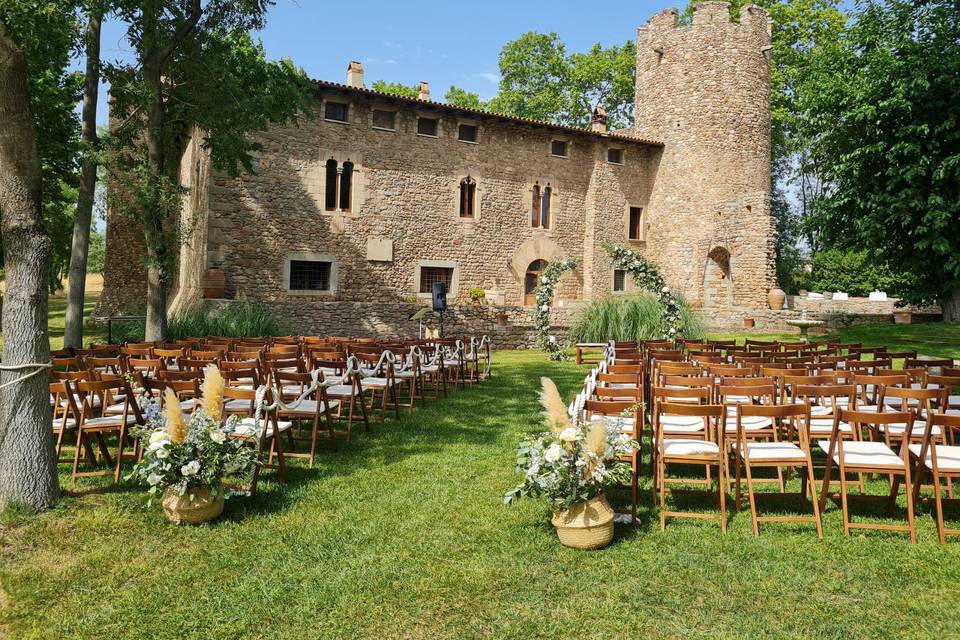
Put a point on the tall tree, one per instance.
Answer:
(539, 80)
(196, 70)
(881, 116)
(28, 472)
(76, 285)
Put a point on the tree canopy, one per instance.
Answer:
(880, 114)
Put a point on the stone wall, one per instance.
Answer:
(704, 90)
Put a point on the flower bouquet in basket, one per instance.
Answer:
(571, 465)
(186, 458)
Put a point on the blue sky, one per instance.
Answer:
(443, 43)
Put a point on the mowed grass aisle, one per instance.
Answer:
(403, 534)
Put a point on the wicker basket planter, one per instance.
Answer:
(202, 508)
(585, 525)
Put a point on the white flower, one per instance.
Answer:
(553, 453)
(569, 434)
(665, 289)
(154, 478)
(191, 468)
(162, 452)
(545, 307)
(217, 435)
(159, 436)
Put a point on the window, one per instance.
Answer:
(615, 156)
(383, 119)
(558, 148)
(310, 275)
(427, 127)
(336, 111)
(635, 229)
(540, 216)
(467, 132)
(468, 197)
(619, 279)
(430, 275)
(339, 191)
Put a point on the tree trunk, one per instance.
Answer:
(951, 305)
(73, 327)
(156, 328)
(28, 468)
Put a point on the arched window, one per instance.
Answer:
(346, 186)
(531, 280)
(468, 197)
(331, 199)
(545, 207)
(535, 211)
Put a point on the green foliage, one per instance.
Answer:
(854, 273)
(540, 81)
(48, 32)
(236, 320)
(476, 293)
(881, 115)
(97, 252)
(396, 88)
(462, 98)
(628, 317)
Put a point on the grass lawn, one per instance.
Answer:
(402, 534)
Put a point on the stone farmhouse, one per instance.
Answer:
(352, 215)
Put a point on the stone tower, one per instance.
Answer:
(704, 90)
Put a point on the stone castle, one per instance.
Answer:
(352, 215)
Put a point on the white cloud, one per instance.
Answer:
(489, 77)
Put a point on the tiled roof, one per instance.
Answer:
(624, 134)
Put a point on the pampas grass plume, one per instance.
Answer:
(176, 427)
(596, 444)
(554, 410)
(213, 392)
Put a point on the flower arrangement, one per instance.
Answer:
(571, 463)
(183, 454)
(646, 276)
(543, 296)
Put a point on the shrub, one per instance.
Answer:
(633, 317)
(236, 320)
(852, 272)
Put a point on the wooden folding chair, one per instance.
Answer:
(750, 453)
(631, 424)
(942, 462)
(94, 424)
(863, 456)
(316, 407)
(269, 431)
(380, 380)
(690, 451)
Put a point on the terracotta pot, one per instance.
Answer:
(214, 283)
(502, 319)
(585, 525)
(776, 298)
(748, 323)
(902, 317)
(197, 506)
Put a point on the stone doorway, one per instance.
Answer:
(717, 280)
(531, 280)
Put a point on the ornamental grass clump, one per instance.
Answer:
(182, 454)
(572, 462)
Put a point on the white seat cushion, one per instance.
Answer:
(59, 424)
(237, 405)
(409, 374)
(898, 429)
(948, 457)
(750, 423)
(108, 421)
(115, 409)
(773, 451)
(430, 368)
(307, 408)
(376, 383)
(681, 424)
(187, 405)
(863, 453)
(340, 391)
(689, 448)
(451, 363)
(825, 426)
(247, 427)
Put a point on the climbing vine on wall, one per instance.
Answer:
(646, 276)
(544, 295)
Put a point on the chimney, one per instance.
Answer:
(424, 91)
(598, 122)
(355, 75)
